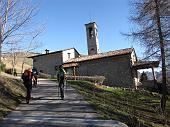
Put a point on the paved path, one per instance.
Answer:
(47, 110)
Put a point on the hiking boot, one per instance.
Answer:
(27, 101)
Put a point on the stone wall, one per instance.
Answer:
(117, 70)
(47, 63)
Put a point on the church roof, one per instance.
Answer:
(52, 53)
(102, 55)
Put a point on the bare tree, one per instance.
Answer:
(153, 32)
(14, 55)
(15, 20)
(32, 46)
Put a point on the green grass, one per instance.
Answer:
(11, 93)
(135, 108)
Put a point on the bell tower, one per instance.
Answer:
(92, 38)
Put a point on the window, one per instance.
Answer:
(69, 55)
(90, 32)
(96, 33)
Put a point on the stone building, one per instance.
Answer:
(48, 62)
(116, 66)
(119, 67)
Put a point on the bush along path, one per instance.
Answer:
(46, 109)
(133, 107)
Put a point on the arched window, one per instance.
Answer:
(90, 32)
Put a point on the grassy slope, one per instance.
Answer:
(11, 93)
(131, 107)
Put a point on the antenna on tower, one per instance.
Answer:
(90, 16)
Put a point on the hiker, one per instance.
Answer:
(27, 80)
(35, 75)
(61, 77)
(15, 72)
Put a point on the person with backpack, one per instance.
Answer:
(27, 80)
(35, 75)
(61, 77)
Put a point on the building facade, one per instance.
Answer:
(115, 66)
(48, 62)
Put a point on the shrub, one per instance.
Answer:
(2, 66)
(11, 71)
(8, 71)
(94, 79)
(43, 75)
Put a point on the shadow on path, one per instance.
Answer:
(47, 110)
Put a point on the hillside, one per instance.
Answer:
(133, 107)
(12, 92)
(8, 58)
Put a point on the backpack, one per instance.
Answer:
(26, 76)
(34, 72)
(60, 74)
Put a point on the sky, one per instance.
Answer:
(65, 24)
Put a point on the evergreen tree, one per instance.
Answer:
(143, 77)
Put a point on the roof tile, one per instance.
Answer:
(101, 55)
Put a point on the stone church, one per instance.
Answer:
(119, 67)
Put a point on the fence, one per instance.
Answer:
(95, 79)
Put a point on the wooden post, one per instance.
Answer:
(74, 72)
(153, 73)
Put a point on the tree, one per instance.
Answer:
(143, 77)
(153, 32)
(15, 21)
(31, 47)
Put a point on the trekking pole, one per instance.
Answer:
(65, 84)
(58, 90)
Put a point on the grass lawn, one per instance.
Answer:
(11, 93)
(133, 107)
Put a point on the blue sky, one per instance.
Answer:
(65, 27)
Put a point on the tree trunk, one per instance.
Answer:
(162, 47)
(0, 46)
(0, 49)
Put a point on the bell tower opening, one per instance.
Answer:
(90, 32)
